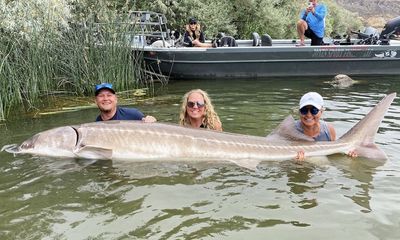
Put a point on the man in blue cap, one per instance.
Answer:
(106, 101)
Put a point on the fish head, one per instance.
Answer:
(58, 142)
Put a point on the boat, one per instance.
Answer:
(368, 53)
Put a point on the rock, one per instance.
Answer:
(342, 81)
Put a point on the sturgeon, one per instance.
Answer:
(138, 141)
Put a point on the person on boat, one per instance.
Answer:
(193, 36)
(197, 111)
(107, 100)
(312, 23)
(310, 110)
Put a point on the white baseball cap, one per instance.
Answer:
(312, 98)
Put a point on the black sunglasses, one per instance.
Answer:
(192, 104)
(313, 110)
(193, 23)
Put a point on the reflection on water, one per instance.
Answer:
(45, 198)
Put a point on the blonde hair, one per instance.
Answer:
(196, 31)
(210, 118)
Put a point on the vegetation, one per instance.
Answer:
(57, 46)
(41, 53)
(240, 18)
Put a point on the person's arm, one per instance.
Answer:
(129, 114)
(300, 154)
(303, 14)
(319, 12)
(202, 38)
(332, 132)
(300, 157)
(351, 153)
(187, 40)
(138, 115)
(218, 126)
(197, 43)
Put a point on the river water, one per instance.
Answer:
(341, 198)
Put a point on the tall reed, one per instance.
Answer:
(71, 62)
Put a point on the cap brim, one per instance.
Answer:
(312, 103)
(109, 89)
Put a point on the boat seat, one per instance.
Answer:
(256, 39)
(266, 40)
(227, 41)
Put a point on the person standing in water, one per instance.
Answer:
(197, 111)
(311, 108)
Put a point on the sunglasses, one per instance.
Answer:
(193, 23)
(313, 110)
(192, 104)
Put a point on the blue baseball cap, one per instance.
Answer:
(102, 86)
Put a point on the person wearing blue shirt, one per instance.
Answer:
(312, 23)
(106, 101)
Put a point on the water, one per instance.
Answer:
(46, 198)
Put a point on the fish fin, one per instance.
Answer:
(362, 135)
(93, 152)
(371, 151)
(246, 163)
(287, 130)
(318, 160)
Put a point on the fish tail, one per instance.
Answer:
(362, 135)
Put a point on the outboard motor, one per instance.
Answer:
(373, 35)
(266, 40)
(369, 36)
(371, 32)
(390, 28)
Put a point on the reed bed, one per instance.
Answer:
(68, 63)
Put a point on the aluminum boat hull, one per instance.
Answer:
(269, 61)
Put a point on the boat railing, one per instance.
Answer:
(139, 29)
(148, 27)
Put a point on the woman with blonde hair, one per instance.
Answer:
(193, 36)
(197, 111)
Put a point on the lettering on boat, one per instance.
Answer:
(335, 52)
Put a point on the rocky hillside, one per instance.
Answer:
(373, 12)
